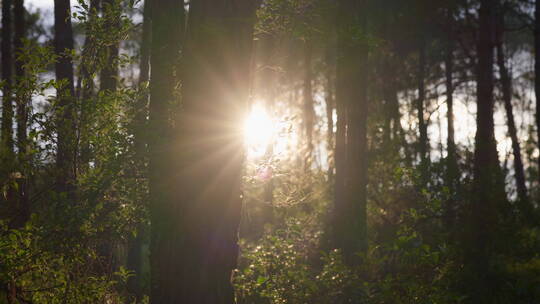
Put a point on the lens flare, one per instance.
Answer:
(259, 131)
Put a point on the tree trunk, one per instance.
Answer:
(6, 136)
(423, 144)
(111, 12)
(65, 113)
(215, 97)
(488, 185)
(506, 82)
(86, 89)
(7, 103)
(135, 257)
(330, 105)
(22, 100)
(350, 229)
(109, 73)
(537, 72)
(452, 170)
(308, 112)
(166, 234)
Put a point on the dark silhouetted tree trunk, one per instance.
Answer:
(488, 185)
(423, 144)
(452, 170)
(7, 78)
(22, 100)
(65, 114)
(166, 233)
(196, 254)
(506, 83)
(6, 136)
(537, 72)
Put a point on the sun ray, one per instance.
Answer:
(259, 131)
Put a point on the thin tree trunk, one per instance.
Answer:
(330, 106)
(65, 114)
(506, 82)
(109, 73)
(135, 257)
(7, 75)
(308, 111)
(537, 72)
(452, 170)
(393, 130)
(86, 88)
(422, 125)
(144, 76)
(22, 100)
(111, 12)
(340, 151)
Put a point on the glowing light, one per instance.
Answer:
(259, 131)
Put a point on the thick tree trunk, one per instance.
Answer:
(488, 185)
(506, 83)
(216, 89)
(65, 114)
(350, 229)
(6, 136)
(166, 233)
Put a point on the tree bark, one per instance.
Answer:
(65, 113)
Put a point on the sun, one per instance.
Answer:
(259, 131)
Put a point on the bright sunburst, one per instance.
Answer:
(259, 130)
